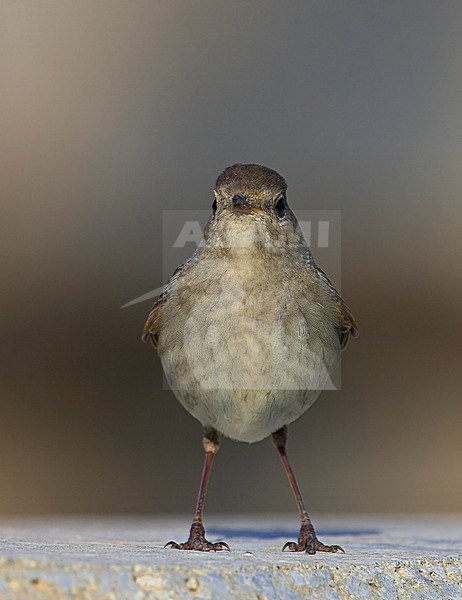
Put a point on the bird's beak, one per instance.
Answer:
(242, 205)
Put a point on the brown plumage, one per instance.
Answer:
(249, 329)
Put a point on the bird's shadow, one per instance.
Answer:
(269, 534)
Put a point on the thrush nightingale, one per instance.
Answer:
(249, 330)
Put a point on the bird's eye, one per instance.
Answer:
(214, 206)
(281, 207)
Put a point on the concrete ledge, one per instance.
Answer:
(122, 558)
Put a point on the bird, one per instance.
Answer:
(249, 330)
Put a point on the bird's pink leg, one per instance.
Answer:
(197, 539)
(307, 540)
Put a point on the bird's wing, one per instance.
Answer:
(348, 324)
(152, 326)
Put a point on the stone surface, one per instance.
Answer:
(123, 558)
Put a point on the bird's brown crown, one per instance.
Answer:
(250, 180)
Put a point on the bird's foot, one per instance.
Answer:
(309, 543)
(197, 541)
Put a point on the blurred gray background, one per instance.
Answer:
(113, 111)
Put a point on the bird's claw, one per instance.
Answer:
(223, 545)
(309, 543)
(311, 547)
(292, 546)
(172, 544)
(202, 545)
(198, 541)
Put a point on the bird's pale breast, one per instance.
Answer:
(247, 345)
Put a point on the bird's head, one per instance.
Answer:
(250, 206)
(250, 189)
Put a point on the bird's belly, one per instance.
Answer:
(246, 373)
(250, 415)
